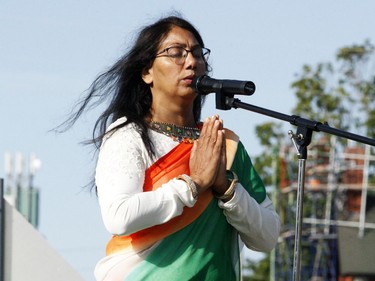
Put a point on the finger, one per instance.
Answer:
(215, 122)
(194, 149)
(204, 126)
(224, 148)
(221, 127)
(219, 142)
(215, 129)
(208, 131)
(204, 130)
(202, 133)
(213, 145)
(221, 146)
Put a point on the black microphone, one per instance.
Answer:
(204, 85)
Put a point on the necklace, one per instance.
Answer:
(177, 133)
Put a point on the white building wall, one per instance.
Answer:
(28, 256)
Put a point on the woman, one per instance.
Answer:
(178, 196)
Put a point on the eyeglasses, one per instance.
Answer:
(179, 54)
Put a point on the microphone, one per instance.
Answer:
(204, 85)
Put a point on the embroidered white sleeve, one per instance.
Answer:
(257, 224)
(119, 178)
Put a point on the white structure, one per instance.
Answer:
(28, 256)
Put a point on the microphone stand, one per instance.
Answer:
(301, 140)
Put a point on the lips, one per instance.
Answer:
(189, 79)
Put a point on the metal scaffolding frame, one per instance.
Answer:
(323, 212)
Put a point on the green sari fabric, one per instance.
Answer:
(206, 249)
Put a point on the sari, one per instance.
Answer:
(199, 244)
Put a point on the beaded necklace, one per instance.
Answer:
(177, 133)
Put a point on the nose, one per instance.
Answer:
(191, 61)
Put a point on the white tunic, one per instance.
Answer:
(125, 208)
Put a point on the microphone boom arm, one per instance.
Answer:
(230, 102)
(302, 138)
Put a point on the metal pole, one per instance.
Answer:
(299, 217)
(2, 230)
(362, 217)
(301, 140)
(275, 156)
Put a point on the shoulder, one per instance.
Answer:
(120, 121)
(231, 141)
(231, 135)
(118, 131)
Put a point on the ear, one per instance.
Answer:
(147, 76)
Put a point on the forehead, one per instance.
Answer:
(179, 36)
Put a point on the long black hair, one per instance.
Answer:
(122, 85)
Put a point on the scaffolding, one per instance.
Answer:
(337, 191)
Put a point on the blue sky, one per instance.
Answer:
(51, 51)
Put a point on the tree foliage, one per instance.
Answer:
(341, 93)
(358, 78)
(270, 136)
(317, 98)
(259, 270)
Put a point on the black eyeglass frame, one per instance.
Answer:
(204, 53)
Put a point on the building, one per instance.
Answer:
(25, 253)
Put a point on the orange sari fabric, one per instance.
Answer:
(175, 163)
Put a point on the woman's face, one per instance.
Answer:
(170, 78)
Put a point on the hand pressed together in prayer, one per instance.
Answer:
(208, 157)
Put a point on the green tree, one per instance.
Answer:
(270, 136)
(259, 270)
(341, 93)
(358, 78)
(318, 98)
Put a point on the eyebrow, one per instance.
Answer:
(176, 44)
